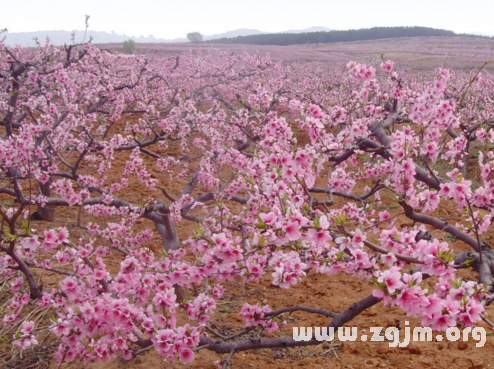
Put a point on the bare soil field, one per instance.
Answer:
(330, 293)
(415, 53)
(318, 291)
(335, 293)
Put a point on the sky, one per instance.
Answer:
(171, 19)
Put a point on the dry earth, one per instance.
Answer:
(416, 53)
(335, 293)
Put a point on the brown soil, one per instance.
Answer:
(335, 293)
(416, 53)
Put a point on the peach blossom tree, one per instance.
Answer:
(283, 168)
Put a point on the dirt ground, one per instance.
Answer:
(412, 53)
(335, 293)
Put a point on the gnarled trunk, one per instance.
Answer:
(46, 213)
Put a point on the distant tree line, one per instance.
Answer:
(335, 36)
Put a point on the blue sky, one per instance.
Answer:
(175, 18)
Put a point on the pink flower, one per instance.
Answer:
(165, 300)
(439, 322)
(316, 111)
(433, 307)
(268, 219)
(50, 241)
(63, 235)
(100, 274)
(292, 232)
(323, 222)
(320, 237)
(70, 287)
(26, 342)
(452, 305)
(344, 242)
(61, 329)
(378, 293)
(358, 238)
(228, 253)
(27, 327)
(387, 65)
(31, 243)
(186, 356)
(389, 259)
(473, 310)
(383, 215)
(392, 279)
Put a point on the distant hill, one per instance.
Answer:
(313, 35)
(311, 29)
(235, 33)
(375, 33)
(64, 37)
(480, 34)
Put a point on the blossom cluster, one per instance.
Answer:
(284, 169)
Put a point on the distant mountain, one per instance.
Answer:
(58, 38)
(235, 33)
(65, 37)
(479, 34)
(322, 37)
(306, 30)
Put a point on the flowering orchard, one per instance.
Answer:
(284, 168)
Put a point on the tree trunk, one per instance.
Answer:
(46, 213)
(168, 234)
